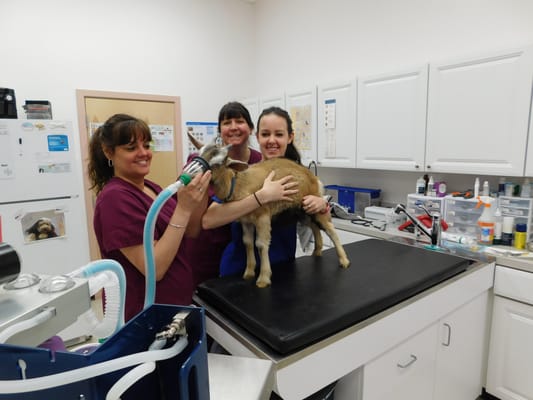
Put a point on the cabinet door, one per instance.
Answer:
(391, 120)
(511, 350)
(461, 351)
(252, 104)
(337, 109)
(271, 101)
(478, 112)
(529, 153)
(301, 106)
(404, 373)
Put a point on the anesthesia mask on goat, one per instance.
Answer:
(216, 155)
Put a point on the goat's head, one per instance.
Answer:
(217, 156)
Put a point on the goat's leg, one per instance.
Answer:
(319, 243)
(262, 242)
(248, 240)
(325, 222)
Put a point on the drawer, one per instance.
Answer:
(515, 202)
(430, 202)
(461, 217)
(514, 284)
(463, 205)
(404, 372)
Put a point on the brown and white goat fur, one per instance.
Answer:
(250, 180)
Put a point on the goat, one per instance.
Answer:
(231, 184)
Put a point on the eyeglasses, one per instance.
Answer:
(381, 225)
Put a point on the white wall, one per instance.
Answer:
(316, 41)
(197, 49)
(212, 51)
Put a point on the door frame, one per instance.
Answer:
(83, 123)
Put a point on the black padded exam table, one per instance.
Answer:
(312, 298)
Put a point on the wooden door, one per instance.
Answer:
(161, 113)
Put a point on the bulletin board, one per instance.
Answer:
(163, 116)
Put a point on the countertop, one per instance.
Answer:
(482, 253)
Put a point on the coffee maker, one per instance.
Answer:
(8, 104)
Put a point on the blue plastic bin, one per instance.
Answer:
(182, 377)
(347, 195)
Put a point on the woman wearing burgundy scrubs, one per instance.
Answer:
(119, 160)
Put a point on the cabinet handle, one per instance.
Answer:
(417, 166)
(411, 361)
(428, 166)
(448, 338)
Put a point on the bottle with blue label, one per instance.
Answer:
(420, 186)
(485, 221)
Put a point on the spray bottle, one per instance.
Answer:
(485, 221)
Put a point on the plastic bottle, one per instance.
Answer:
(486, 189)
(507, 231)
(498, 226)
(509, 187)
(431, 187)
(526, 189)
(458, 238)
(420, 186)
(485, 221)
(501, 186)
(520, 236)
(426, 179)
(476, 188)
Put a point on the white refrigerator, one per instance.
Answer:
(42, 207)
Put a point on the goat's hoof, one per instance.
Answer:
(263, 283)
(248, 275)
(345, 263)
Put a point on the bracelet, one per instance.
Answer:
(176, 225)
(256, 199)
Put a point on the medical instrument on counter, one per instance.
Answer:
(341, 211)
(381, 225)
(132, 356)
(467, 194)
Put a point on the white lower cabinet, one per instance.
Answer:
(444, 361)
(405, 372)
(511, 350)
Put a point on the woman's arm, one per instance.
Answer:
(222, 214)
(189, 199)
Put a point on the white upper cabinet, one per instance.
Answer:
(478, 111)
(271, 101)
(529, 153)
(301, 106)
(252, 104)
(337, 107)
(391, 120)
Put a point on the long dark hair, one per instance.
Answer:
(234, 109)
(291, 152)
(118, 130)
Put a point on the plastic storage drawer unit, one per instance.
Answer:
(521, 209)
(431, 203)
(462, 215)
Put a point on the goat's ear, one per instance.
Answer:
(237, 165)
(195, 142)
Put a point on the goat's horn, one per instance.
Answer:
(195, 141)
